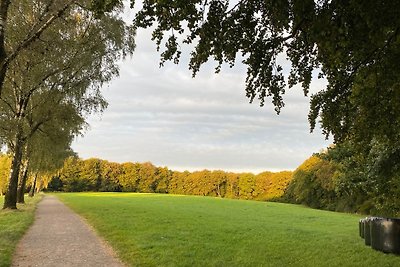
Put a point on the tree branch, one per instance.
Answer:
(5, 61)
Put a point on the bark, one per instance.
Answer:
(10, 198)
(3, 55)
(22, 184)
(33, 188)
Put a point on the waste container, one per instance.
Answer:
(361, 227)
(376, 233)
(367, 231)
(390, 235)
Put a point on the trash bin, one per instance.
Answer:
(376, 233)
(367, 231)
(390, 235)
(361, 227)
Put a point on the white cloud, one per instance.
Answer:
(164, 116)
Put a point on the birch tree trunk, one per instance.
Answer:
(22, 184)
(33, 188)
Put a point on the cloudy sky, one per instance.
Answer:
(164, 116)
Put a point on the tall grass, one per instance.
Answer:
(168, 230)
(13, 225)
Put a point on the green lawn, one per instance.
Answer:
(13, 225)
(168, 230)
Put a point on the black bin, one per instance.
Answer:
(361, 227)
(390, 235)
(367, 231)
(376, 236)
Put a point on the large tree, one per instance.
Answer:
(354, 45)
(48, 13)
(58, 76)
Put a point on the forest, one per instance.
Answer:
(330, 180)
(102, 176)
(96, 175)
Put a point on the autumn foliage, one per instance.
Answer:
(100, 175)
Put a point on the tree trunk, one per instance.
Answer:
(22, 184)
(3, 55)
(33, 187)
(10, 198)
(218, 190)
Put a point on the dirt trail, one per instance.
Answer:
(59, 237)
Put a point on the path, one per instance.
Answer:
(59, 237)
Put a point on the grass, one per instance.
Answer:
(167, 230)
(13, 225)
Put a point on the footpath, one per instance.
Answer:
(59, 237)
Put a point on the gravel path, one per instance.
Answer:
(59, 237)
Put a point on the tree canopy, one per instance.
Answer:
(51, 85)
(48, 12)
(100, 175)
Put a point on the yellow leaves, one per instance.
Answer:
(5, 165)
(309, 164)
(78, 17)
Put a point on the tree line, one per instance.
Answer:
(330, 180)
(99, 175)
(336, 179)
(341, 179)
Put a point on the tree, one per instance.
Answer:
(91, 174)
(129, 179)
(111, 173)
(70, 174)
(354, 45)
(60, 75)
(314, 184)
(219, 180)
(147, 180)
(232, 185)
(177, 183)
(48, 13)
(247, 185)
(163, 179)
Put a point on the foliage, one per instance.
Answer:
(47, 14)
(99, 175)
(346, 179)
(5, 164)
(369, 176)
(54, 83)
(354, 45)
(168, 230)
(270, 186)
(313, 184)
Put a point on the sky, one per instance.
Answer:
(165, 116)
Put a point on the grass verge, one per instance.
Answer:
(168, 230)
(13, 225)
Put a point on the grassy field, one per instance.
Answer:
(13, 224)
(167, 230)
